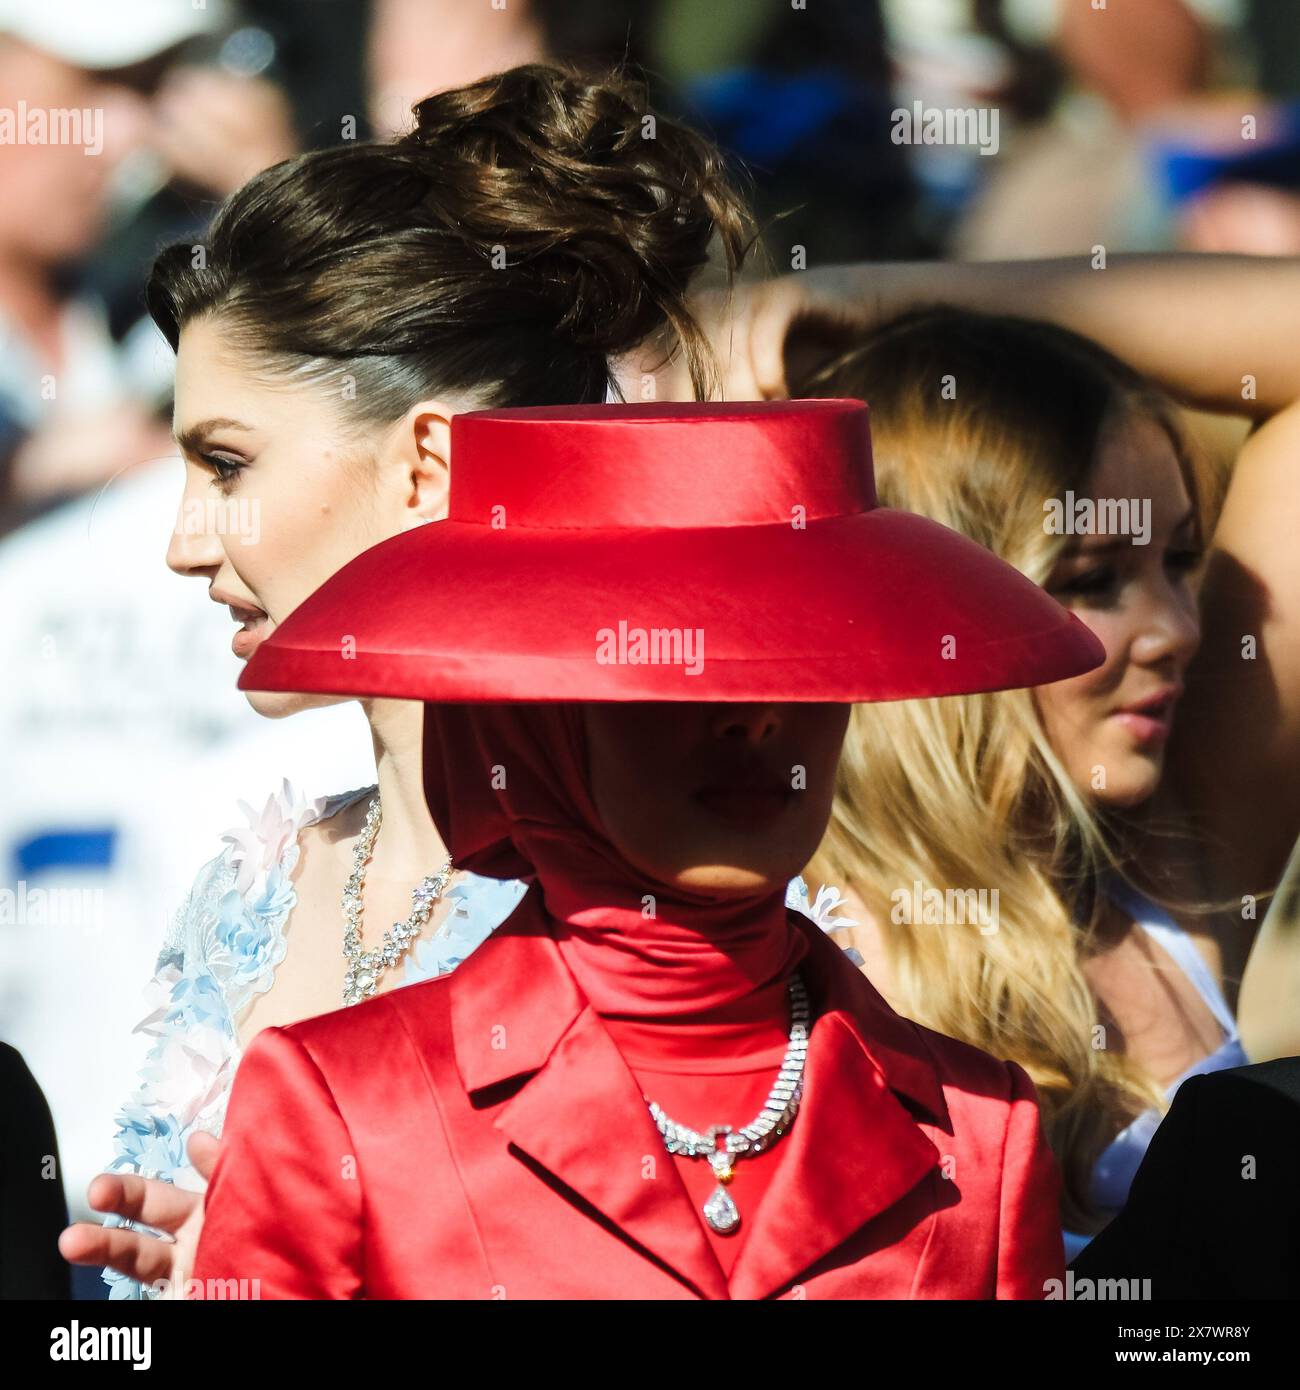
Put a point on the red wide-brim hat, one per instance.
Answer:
(725, 552)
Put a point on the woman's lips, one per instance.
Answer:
(254, 628)
(1150, 721)
(1145, 728)
(747, 807)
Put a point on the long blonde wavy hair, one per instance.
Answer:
(967, 792)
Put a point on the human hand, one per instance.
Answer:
(216, 129)
(74, 453)
(146, 1258)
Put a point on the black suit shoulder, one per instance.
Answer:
(1214, 1211)
(32, 1206)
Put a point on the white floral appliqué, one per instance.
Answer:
(822, 910)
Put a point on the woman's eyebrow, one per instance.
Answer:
(193, 435)
(1093, 545)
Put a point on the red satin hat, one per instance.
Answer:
(671, 552)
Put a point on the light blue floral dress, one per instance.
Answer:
(222, 951)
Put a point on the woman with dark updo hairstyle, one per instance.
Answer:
(531, 230)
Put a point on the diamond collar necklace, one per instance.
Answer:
(366, 967)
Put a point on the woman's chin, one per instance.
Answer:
(726, 880)
(275, 704)
(1129, 782)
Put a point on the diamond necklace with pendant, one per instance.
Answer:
(761, 1133)
(365, 967)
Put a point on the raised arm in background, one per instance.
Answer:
(1217, 333)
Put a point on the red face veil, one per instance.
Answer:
(509, 790)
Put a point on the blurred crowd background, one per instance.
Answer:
(124, 746)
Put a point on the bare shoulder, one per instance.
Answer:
(867, 940)
(342, 819)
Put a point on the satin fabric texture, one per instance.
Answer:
(746, 535)
(538, 820)
(479, 1136)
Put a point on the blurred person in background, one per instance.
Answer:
(1089, 174)
(124, 702)
(418, 47)
(801, 96)
(80, 385)
(964, 55)
(68, 416)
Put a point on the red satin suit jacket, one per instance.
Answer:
(479, 1136)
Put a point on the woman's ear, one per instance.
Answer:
(417, 455)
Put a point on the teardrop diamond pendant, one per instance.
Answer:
(720, 1211)
(775, 1118)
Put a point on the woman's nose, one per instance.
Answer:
(1171, 633)
(753, 723)
(195, 547)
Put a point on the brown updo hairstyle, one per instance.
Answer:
(530, 227)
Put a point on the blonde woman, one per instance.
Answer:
(1217, 333)
(1023, 878)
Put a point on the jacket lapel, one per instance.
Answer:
(583, 1117)
(580, 1115)
(854, 1150)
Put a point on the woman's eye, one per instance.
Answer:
(1183, 561)
(224, 470)
(1098, 580)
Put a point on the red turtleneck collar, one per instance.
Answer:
(508, 787)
